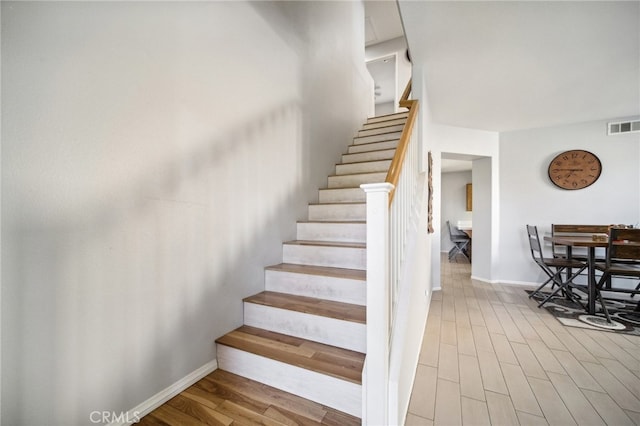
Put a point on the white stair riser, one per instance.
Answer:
(350, 181)
(377, 138)
(363, 167)
(330, 331)
(346, 232)
(337, 212)
(387, 117)
(342, 195)
(380, 130)
(337, 257)
(386, 154)
(338, 289)
(386, 123)
(327, 390)
(354, 149)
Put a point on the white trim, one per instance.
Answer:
(435, 289)
(166, 394)
(529, 283)
(484, 280)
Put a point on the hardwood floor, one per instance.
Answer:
(490, 356)
(223, 398)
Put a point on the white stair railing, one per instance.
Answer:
(391, 209)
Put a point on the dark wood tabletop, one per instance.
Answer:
(576, 241)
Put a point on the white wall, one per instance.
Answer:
(154, 157)
(485, 220)
(397, 46)
(473, 144)
(453, 204)
(528, 197)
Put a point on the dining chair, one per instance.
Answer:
(553, 268)
(460, 242)
(622, 261)
(577, 253)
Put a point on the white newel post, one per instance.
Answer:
(376, 381)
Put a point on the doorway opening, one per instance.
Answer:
(384, 73)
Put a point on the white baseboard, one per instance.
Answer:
(522, 283)
(484, 280)
(135, 414)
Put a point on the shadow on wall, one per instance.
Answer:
(125, 295)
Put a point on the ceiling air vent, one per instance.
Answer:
(621, 127)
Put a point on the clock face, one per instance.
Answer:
(575, 169)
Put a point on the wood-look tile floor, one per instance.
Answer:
(490, 356)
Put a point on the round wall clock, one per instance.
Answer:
(575, 169)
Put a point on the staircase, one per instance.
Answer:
(306, 333)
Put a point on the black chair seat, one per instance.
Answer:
(561, 262)
(620, 268)
(460, 242)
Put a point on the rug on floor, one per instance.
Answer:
(624, 318)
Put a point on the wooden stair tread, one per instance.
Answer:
(384, 160)
(336, 189)
(368, 152)
(357, 174)
(356, 222)
(222, 398)
(364, 144)
(311, 305)
(330, 360)
(327, 271)
(379, 134)
(379, 130)
(391, 114)
(342, 203)
(326, 243)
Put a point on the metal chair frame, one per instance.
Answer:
(623, 261)
(553, 268)
(460, 242)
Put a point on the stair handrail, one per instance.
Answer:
(392, 215)
(398, 159)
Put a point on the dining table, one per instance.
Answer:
(591, 244)
(469, 233)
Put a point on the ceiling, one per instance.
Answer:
(381, 22)
(510, 65)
